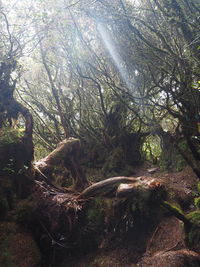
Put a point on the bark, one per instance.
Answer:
(189, 161)
(66, 154)
(55, 95)
(126, 186)
(11, 109)
(105, 185)
(142, 187)
(27, 138)
(167, 141)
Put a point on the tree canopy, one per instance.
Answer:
(104, 72)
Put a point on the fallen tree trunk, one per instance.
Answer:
(62, 214)
(105, 185)
(66, 154)
(126, 186)
(142, 186)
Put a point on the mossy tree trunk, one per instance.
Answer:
(10, 109)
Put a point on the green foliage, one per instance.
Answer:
(151, 148)
(40, 151)
(9, 135)
(197, 202)
(194, 216)
(196, 85)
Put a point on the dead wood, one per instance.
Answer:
(142, 186)
(67, 155)
(127, 185)
(105, 185)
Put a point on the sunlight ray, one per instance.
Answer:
(118, 61)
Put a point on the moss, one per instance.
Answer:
(193, 237)
(198, 187)
(194, 217)
(92, 226)
(95, 215)
(174, 207)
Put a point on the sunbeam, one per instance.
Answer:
(118, 61)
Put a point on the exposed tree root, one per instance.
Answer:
(66, 154)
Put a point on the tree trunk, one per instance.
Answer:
(66, 154)
(124, 186)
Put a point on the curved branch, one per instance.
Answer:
(94, 189)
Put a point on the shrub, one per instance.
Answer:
(10, 135)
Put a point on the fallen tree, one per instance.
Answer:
(125, 186)
(66, 155)
(56, 205)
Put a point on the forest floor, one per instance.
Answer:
(164, 244)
